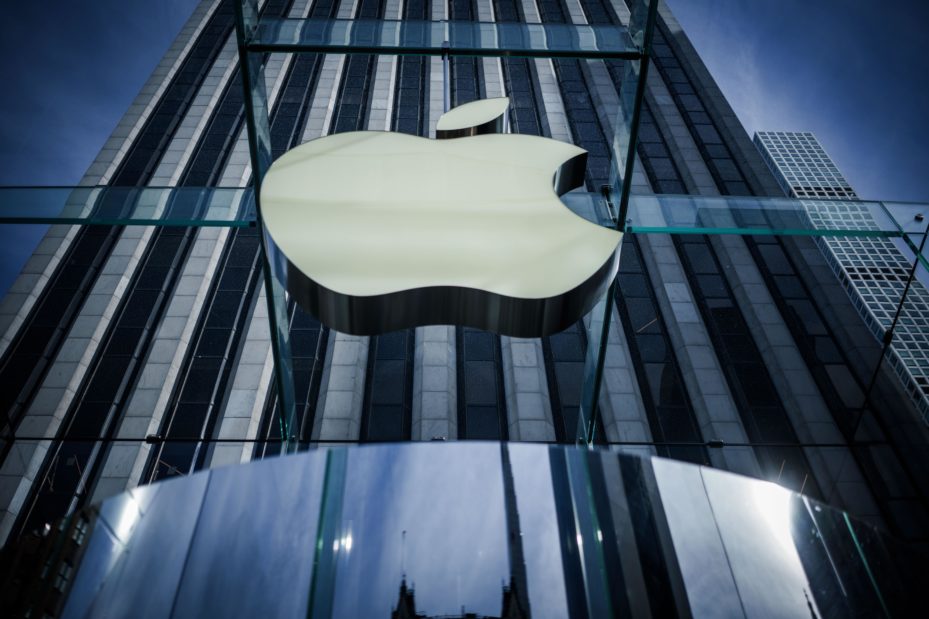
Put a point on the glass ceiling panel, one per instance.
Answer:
(360, 36)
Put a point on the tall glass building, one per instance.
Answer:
(873, 270)
(137, 353)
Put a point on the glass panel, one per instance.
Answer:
(464, 38)
(908, 353)
(512, 531)
(152, 528)
(544, 562)
(678, 214)
(701, 553)
(892, 290)
(913, 219)
(454, 547)
(625, 136)
(648, 214)
(597, 323)
(256, 573)
(756, 530)
(127, 206)
(259, 143)
(641, 21)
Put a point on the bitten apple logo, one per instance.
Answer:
(376, 231)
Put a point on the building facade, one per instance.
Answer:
(874, 271)
(131, 354)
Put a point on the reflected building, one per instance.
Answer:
(134, 354)
(406, 607)
(604, 535)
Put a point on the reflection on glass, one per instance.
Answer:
(681, 214)
(774, 505)
(428, 37)
(483, 530)
(235, 207)
(415, 534)
(535, 501)
(106, 205)
(759, 544)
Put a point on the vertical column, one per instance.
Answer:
(493, 72)
(257, 111)
(436, 73)
(435, 379)
(385, 74)
(342, 395)
(435, 384)
(706, 384)
(250, 384)
(623, 155)
(248, 395)
(528, 403)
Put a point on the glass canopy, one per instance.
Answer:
(650, 218)
(647, 213)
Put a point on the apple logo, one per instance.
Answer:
(374, 231)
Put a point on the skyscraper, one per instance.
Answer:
(874, 271)
(134, 353)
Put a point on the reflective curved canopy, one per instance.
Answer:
(511, 530)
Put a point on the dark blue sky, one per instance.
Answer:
(69, 70)
(853, 72)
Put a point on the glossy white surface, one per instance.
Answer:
(473, 114)
(370, 213)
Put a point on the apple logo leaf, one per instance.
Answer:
(374, 231)
(475, 118)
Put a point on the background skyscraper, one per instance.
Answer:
(131, 354)
(873, 270)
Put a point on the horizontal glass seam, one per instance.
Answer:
(137, 206)
(436, 38)
(648, 214)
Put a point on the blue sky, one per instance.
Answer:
(69, 70)
(853, 72)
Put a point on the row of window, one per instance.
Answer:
(28, 358)
(71, 467)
